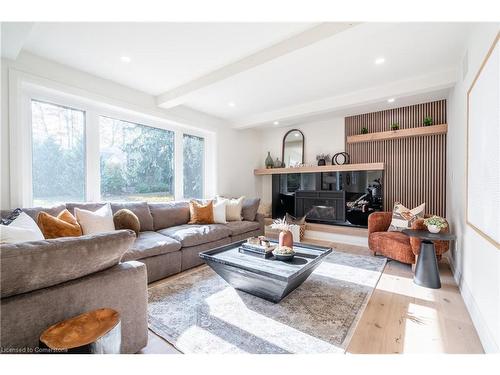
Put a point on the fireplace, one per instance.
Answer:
(320, 206)
(335, 198)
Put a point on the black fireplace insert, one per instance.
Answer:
(336, 198)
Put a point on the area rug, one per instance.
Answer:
(200, 313)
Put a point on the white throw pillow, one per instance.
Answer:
(22, 229)
(95, 222)
(233, 208)
(219, 209)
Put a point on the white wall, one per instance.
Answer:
(476, 262)
(235, 149)
(325, 136)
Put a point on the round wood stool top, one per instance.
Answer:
(81, 330)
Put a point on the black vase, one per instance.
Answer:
(321, 162)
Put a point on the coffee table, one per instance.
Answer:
(269, 278)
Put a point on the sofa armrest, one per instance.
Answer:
(260, 218)
(441, 247)
(379, 222)
(28, 266)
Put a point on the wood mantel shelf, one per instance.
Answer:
(323, 168)
(401, 133)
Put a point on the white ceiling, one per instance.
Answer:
(341, 64)
(163, 55)
(420, 58)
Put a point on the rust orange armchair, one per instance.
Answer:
(397, 245)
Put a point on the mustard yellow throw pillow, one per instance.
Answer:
(201, 213)
(64, 225)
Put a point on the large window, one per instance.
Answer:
(193, 150)
(137, 161)
(58, 149)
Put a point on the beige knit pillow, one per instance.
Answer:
(403, 218)
(233, 208)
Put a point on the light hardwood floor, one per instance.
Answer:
(400, 317)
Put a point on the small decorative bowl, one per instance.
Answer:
(433, 228)
(283, 256)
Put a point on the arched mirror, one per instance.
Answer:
(293, 148)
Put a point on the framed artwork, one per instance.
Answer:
(483, 148)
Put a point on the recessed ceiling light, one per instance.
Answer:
(231, 104)
(391, 100)
(125, 59)
(276, 123)
(379, 60)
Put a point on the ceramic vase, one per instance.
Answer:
(286, 239)
(269, 161)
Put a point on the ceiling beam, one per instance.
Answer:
(13, 36)
(397, 89)
(180, 94)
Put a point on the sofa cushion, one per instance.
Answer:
(239, 227)
(34, 265)
(91, 206)
(169, 214)
(140, 209)
(249, 208)
(54, 211)
(196, 234)
(150, 244)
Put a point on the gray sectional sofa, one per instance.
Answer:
(47, 281)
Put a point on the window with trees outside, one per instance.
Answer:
(193, 151)
(58, 154)
(136, 161)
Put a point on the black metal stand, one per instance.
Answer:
(427, 271)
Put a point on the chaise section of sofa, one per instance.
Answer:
(44, 282)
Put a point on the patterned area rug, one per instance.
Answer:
(200, 313)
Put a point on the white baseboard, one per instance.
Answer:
(487, 339)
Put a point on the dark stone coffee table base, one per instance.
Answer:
(261, 286)
(269, 278)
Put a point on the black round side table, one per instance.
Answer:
(427, 271)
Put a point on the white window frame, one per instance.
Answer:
(24, 87)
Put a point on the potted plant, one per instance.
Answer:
(285, 236)
(428, 121)
(395, 126)
(435, 224)
(323, 159)
(364, 130)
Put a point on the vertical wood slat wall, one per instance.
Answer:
(415, 168)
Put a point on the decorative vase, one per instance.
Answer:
(278, 163)
(433, 228)
(286, 239)
(269, 161)
(321, 162)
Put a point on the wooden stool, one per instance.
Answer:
(94, 332)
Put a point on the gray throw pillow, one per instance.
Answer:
(249, 208)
